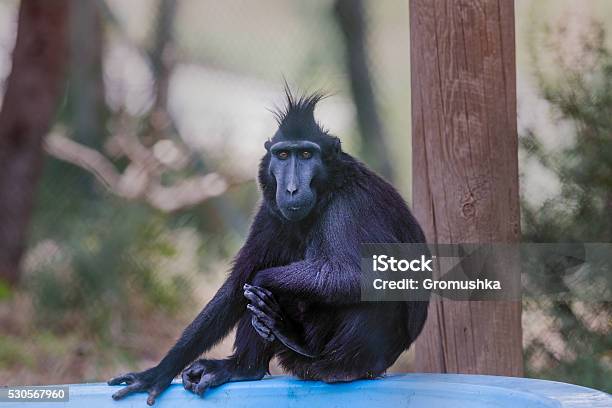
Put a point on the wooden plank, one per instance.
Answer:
(465, 168)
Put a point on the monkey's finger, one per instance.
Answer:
(152, 395)
(205, 382)
(187, 383)
(269, 337)
(266, 296)
(257, 301)
(265, 319)
(262, 305)
(261, 329)
(194, 370)
(127, 390)
(128, 378)
(266, 291)
(258, 324)
(192, 374)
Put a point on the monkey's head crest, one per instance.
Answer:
(296, 121)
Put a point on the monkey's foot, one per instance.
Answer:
(203, 374)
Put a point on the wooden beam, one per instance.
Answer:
(465, 169)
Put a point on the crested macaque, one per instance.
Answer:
(294, 288)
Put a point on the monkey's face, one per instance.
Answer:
(294, 165)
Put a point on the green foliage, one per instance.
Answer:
(102, 259)
(5, 290)
(12, 353)
(103, 272)
(578, 344)
(99, 268)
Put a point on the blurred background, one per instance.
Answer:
(147, 183)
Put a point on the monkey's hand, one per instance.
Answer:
(269, 322)
(151, 381)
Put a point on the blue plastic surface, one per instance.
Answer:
(407, 390)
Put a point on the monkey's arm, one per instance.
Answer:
(270, 322)
(213, 323)
(320, 281)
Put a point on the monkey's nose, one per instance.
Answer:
(291, 189)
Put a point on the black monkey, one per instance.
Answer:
(302, 260)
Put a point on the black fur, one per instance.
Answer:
(311, 269)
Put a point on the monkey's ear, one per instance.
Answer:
(267, 145)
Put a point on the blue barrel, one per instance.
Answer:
(406, 390)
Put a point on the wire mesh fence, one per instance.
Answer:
(149, 180)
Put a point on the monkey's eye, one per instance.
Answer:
(283, 155)
(306, 154)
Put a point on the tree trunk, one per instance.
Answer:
(163, 53)
(350, 17)
(465, 169)
(33, 89)
(87, 108)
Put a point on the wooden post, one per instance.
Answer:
(465, 168)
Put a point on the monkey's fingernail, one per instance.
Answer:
(246, 286)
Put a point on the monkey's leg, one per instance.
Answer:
(269, 321)
(250, 361)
